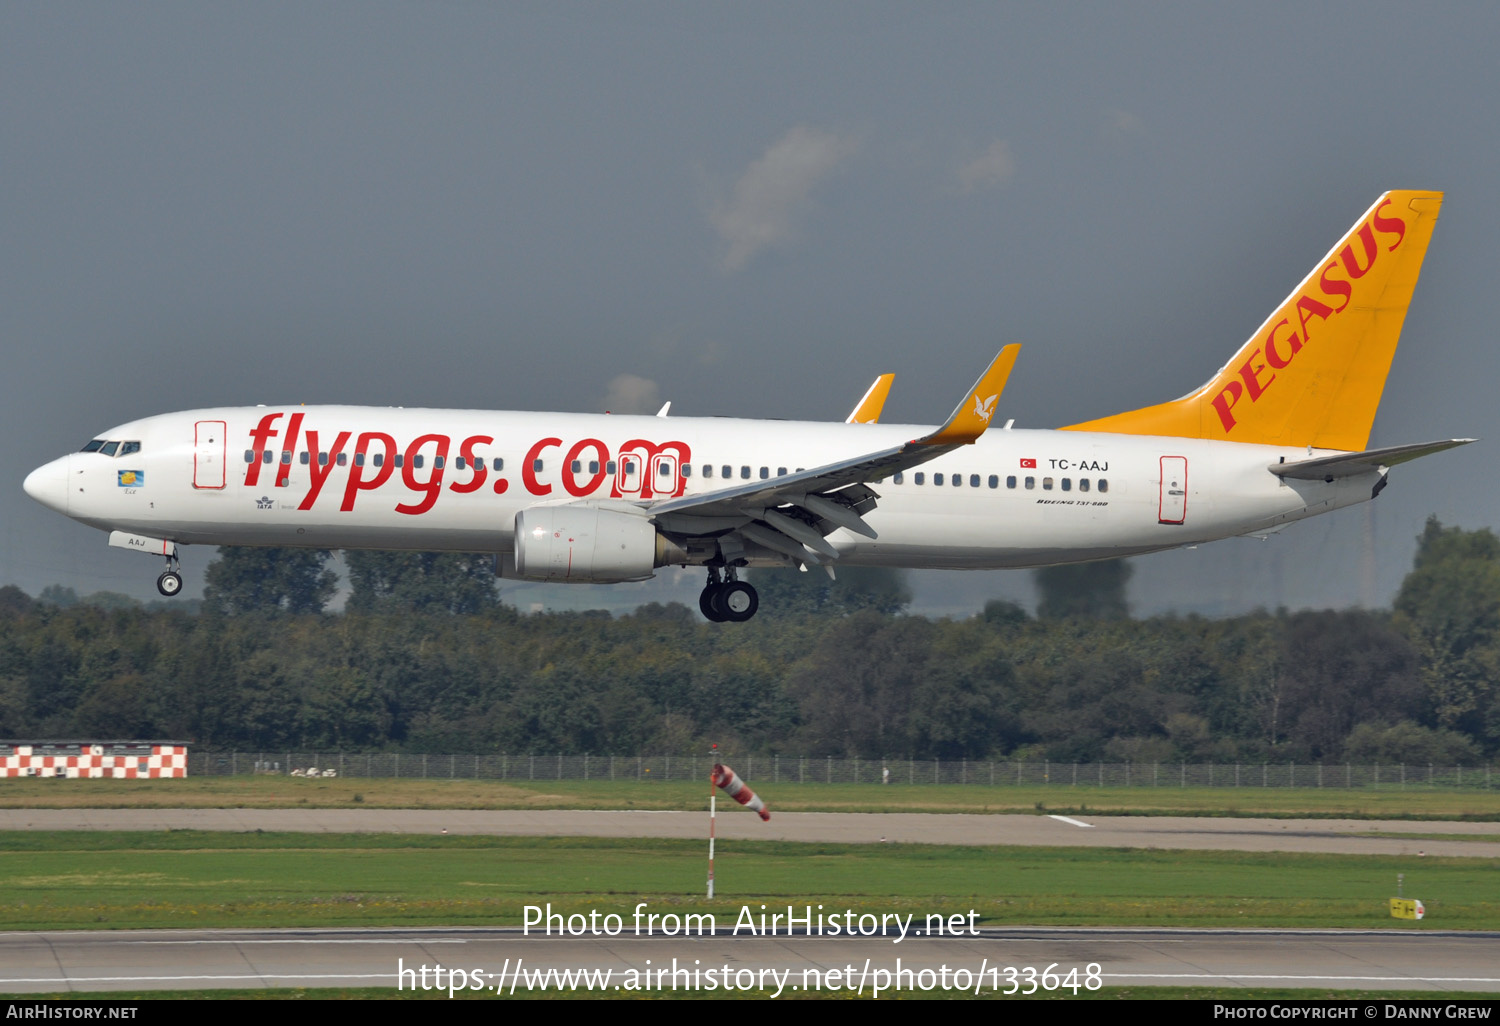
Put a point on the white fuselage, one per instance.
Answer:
(328, 477)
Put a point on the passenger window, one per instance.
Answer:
(609, 468)
(378, 459)
(1067, 484)
(536, 466)
(917, 478)
(499, 464)
(249, 455)
(267, 456)
(708, 470)
(593, 466)
(458, 463)
(359, 459)
(109, 448)
(305, 459)
(781, 472)
(127, 448)
(1046, 484)
(744, 473)
(765, 473)
(896, 478)
(400, 460)
(418, 459)
(437, 462)
(687, 469)
(1010, 481)
(726, 471)
(994, 480)
(663, 470)
(343, 459)
(937, 479)
(286, 457)
(577, 466)
(322, 459)
(1103, 485)
(1083, 484)
(974, 481)
(1030, 482)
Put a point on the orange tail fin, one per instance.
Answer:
(1313, 373)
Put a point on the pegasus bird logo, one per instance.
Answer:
(984, 409)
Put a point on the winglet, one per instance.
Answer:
(969, 420)
(867, 410)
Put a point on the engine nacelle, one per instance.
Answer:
(584, 545)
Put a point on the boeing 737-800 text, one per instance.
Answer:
(1278, 434)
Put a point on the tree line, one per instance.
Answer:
(424, 658)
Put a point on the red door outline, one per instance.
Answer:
(209, 447)
(1172, 505)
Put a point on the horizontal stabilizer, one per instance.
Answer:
(1349, 464)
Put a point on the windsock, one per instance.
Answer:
(733, 786)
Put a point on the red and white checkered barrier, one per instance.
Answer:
(91, 763)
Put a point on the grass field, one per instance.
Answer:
(290, 792)
(67, 880)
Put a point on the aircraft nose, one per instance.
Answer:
(48, 484)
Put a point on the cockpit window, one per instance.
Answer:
(126, 448)
(109, 448)
(93, 446)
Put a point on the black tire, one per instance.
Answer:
(708, 603)
(737, 601)
(169, 583)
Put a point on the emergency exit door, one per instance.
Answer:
(1172, 508)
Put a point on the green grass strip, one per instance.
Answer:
(67, 880)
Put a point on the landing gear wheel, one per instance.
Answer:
(169, 583)
(708, 603)
(737, 601)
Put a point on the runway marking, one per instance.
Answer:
(1072, 822)
(320, 940)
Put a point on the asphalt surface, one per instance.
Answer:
(996, 959)
(505, 961)
(1348, 837)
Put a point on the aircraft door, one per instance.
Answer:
(1172, 508)
(209, 444)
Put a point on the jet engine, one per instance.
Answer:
(586, 545)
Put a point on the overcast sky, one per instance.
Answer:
(746, 209)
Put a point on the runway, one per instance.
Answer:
(1347, 837)
(503, 961)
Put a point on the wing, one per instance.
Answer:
(793, 514)
(867, 410)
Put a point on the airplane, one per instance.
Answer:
(1278, 434)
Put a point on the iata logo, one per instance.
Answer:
(264, 502)
(374, 461)
(985, 409)
(1335, 284)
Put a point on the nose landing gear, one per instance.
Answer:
(170, 581)
(726, 598)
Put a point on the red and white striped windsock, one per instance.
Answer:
(733, 786)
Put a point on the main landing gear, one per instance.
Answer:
(725, 598)
(170, 581)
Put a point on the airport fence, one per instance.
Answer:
(792, 769)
